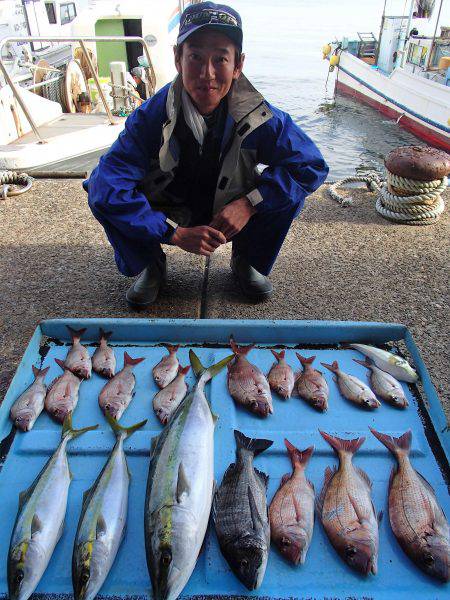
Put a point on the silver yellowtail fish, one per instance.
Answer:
(103, 518)
(30, 403)
(40, 520)
(393, 364)
(180, 488)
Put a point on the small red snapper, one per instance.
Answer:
(281, 376)
(312, 385)
(30, 403)
(104, 360)
(62, 395)
(167, 400)
(167, 368)
(116, 395)
(78, 360)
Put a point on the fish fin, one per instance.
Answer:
(196, 363)
(335, 379)
(60, 363)
(364, 476)
(400, 445)
(201, 372)
(311, 484)
(365, 363)
(427, 484)
(76, 333)
(43, 372)
(229, 473)
(127, 360)
(119, 430)
(298, 457)
(184, 370)
(340, 445)
(297, 507)
(35, 370)
(279, 355)
(100, 528)
(285, 479)
(379, 516)
(240, 350)
(254, 445)
(361, 517)
(334, 367)
(328, 476)
(183, 486)
(36, 525)
(153, 444)
(23, 498)
(258, 523)
(305, 361)
(105, 335)
(263, 476)
(171, 348)
(67, 429)
(391, 477)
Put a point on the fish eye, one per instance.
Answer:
(428, 559)
(84, 577)
(285, 541)
(166, 557)
(244, 563)
(19, 576)
(350, 551)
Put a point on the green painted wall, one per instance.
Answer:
(109, 51)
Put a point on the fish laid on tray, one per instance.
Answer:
(40, 519)
(240, 513)
(247, 384)
(417, 520)
(385, 385)
(104, 360)
(180, 488)
(281, 376)
(30, 403)
(346, 510)
(116, 395)
(393, 364)
(167, 400)
(311, 384)
(291, 512)
(353, 388)
(78, 360)
(167, 368)
(62, 395)
(103, 518)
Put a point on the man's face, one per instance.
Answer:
(207, 65)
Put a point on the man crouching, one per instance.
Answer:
(183, 171)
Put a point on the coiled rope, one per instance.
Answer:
(9, 178)
(401, 200)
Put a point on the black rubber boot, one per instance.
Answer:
(145, 289)
(255, 286)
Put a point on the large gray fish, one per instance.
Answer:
(103, 518)
(247, 384)
(240, 513)
(167, 368)
(291, 512)
(78, 360)
(180, 489)
(346, 509)
(116, 395)
(353, 388)
(311, 384)
(30, 403)
(385, 385)
(394, 364)
(167, 400)
(104, 359)
(62, 395)
(417, 520)
(281, 376)
(40, 520)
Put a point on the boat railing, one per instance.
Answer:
(82, 40)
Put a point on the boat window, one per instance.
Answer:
(68, 12)
(417, 54)
(51, 12)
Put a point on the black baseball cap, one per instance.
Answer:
(220, 17)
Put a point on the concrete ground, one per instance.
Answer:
(337, 263)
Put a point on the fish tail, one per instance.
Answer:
(60, 363)
(127, 360)
(298, 457)
(105, 335)
(41, 372)
(76, 333)
(210, 372)
(334, 367)
(400, 445)
(365, 363)
(240, 350)
(184, 370)
(339, 445)
(279, 355)
(305, 361)
(119, 430)
(256, 446)
(171, 348)
(68, 431)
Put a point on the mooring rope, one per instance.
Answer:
(8, 178)
(400, 199)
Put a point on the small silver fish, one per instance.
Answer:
(281, 376)
(393, 364)
(167, 368)
(167, 400)
(62, 395)
(104, 360)
(116, 395)
(353, 388)
(78, 360)
(30, 403)
(384, 385)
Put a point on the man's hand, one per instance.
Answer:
(233, 217)
(198, 240)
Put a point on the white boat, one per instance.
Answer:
(404, 75)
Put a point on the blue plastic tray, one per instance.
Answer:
(324, 574)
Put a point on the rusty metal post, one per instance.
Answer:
(97, 83)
